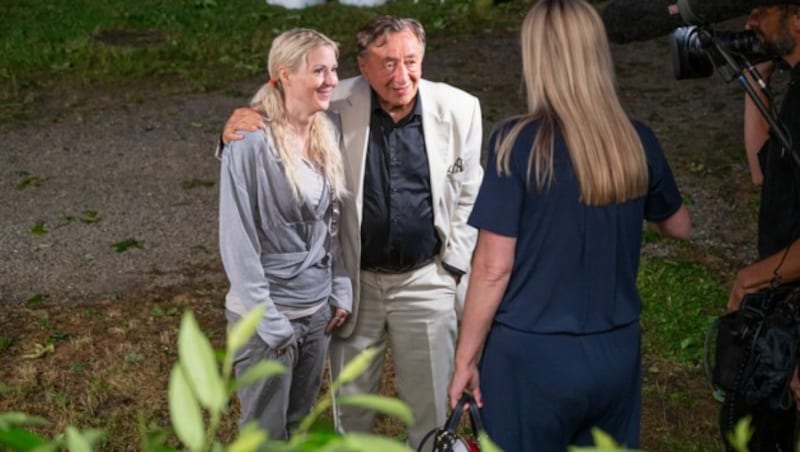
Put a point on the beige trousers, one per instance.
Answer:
(415, 314)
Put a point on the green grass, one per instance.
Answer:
(196, 45)
(681, 299)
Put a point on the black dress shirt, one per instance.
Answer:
(397, 232)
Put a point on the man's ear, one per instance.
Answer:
(362, 63)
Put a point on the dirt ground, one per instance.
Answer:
(108, 229)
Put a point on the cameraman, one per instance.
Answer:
(777, 26)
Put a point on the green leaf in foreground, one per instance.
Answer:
(741, 435)
(124, 245)
(244, 328)
(76, 442)
(250, 438)
(15, 418)
(603, 442)
(197, 359)
(486, 443)
(19, 439)
(356, 367)
(385, 405)
(260, 371)
(367, 442)
(184, 410)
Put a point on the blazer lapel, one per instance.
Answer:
(354, 112)
(436, 130)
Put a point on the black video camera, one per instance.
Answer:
(694, 50)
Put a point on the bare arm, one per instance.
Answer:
(491, 271)
(759, 274)
(677, 226)
(756, 128)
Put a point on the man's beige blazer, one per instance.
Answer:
(451, 122)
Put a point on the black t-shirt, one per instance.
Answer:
(779, 215)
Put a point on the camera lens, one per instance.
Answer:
(687, 49)
(689, 60)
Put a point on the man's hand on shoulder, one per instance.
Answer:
(244, 118)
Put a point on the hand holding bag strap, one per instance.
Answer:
(455, 417)
(474, 413)
(451, 425)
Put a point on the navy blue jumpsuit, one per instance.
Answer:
(563, 352)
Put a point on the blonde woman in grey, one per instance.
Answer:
(552, 300)
(279, 192)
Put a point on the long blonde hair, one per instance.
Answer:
(290, 50)
(570, 84)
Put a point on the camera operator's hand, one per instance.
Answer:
(740, 288)
(735, 298)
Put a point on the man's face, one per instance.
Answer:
(771, 25)
(393, 69)
(311, 86)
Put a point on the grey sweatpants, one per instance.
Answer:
(279, 403)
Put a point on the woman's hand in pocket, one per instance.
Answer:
(338, 319)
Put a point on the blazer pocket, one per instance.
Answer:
(456, 177)
(452, 190)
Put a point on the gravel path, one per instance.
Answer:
(102, 174)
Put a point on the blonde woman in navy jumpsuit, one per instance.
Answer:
(552, 299)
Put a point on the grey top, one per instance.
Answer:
(276, 250)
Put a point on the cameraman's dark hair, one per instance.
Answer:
(377, 29)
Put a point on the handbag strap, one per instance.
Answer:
(455, 416)
(451, 425)
(458, 411)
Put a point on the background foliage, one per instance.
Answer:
(195, 45)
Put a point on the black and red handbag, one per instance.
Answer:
(447, 438)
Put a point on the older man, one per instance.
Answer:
(412, 163)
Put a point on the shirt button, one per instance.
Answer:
(394, 220)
